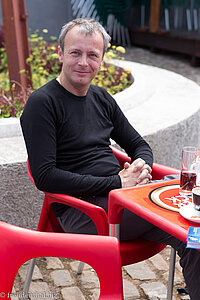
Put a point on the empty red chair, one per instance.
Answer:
(19, 245)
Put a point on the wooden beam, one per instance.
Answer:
(155, 8)
(16, 41)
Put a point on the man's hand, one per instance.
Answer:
(136, 173)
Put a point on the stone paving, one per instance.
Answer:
(56, 278)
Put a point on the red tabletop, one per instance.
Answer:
(158, 203)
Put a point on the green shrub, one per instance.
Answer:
(43, 59)
(113, 78)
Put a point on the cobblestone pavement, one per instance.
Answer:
(56, 278)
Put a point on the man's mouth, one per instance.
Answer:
(82, 72)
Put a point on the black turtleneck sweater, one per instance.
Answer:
(68, 137)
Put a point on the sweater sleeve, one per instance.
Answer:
(39, 122)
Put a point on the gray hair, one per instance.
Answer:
(87, 26)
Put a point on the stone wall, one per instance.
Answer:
(167, 143)
(20, 201)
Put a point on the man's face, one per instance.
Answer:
(81, 59)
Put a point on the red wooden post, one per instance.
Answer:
(155, 16)
(16, 41)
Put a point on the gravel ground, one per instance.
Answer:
(167, 60)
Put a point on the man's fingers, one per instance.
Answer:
(126, 165)
(145, 175)
(138, 164)
(145, 181)
(146, 166)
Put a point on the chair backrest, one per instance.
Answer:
(121, 156)
(28, 168)
(159, 171)
(101, 252)
(48, 220)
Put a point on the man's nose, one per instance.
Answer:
(83, 60)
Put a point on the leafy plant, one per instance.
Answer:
(12, 102)
(46, 66)
(113, 78)
(43, 59)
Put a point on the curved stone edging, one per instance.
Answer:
(165, 109)
(10, 127)
(158, 98)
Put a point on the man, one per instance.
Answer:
(67, 126)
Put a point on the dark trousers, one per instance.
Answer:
(132, 226)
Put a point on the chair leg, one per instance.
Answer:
(80, 268)
(114, 230)
(171, 274)
(29, 276)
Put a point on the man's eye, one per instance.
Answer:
(92, 55)
(74, 52)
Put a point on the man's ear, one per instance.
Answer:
(60, 54)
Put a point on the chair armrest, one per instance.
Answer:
(96, 213)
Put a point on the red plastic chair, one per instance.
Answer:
(19, 245)
(131, 251)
